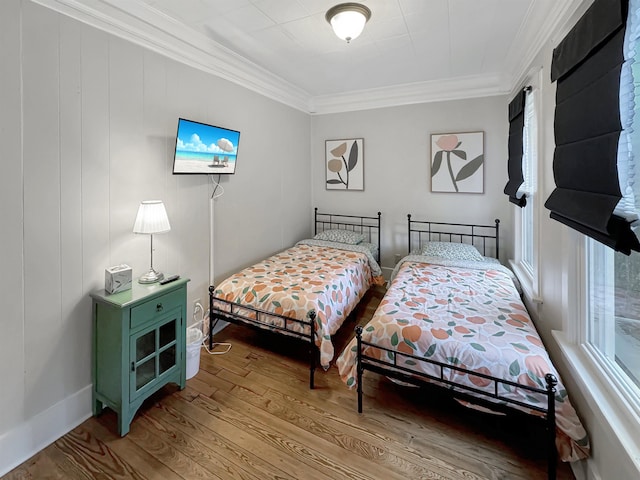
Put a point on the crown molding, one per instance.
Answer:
(411, 93)
(556, 20)
(145, 26)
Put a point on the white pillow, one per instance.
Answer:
(340, 236)
(451, 251)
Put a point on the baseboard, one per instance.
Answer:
(35, 434)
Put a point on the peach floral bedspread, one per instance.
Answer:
(469, 315)
(305, 277)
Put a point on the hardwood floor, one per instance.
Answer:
(249, 414)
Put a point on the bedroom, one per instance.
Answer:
(104, 112)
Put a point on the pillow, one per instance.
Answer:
(492, 260)
(340, 236)
(451, 251)
(372, 247)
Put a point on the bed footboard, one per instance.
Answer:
(256, 318)
(492, 400)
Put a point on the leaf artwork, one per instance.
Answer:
(437, 161)
(450, 146)
(460, 153)
(342, 166)
(353, 157)
(340, 150)
(470, 168)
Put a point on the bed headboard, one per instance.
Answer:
(486, 238)
(368, 226)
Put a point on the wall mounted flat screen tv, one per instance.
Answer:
(202, 148)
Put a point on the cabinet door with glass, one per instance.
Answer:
(153, 354)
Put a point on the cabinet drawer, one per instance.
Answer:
(152, 309)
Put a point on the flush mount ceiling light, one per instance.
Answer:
(348, 19)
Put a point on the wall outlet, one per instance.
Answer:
(196, 308)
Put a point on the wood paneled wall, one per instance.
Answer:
(87, 131)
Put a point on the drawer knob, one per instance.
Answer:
(159, 307)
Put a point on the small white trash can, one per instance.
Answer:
(194, 342)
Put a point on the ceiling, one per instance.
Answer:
(410, 50)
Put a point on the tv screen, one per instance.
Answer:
(202, 148)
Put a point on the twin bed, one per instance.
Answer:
(452, 318)
(308, 290)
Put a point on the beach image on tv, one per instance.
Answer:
(202, 148)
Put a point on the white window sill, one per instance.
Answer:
(526, 281)
(602, 397)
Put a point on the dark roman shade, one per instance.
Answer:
(514, 162)
(587, 66)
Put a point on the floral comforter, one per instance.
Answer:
(470, 315)
(312, 275)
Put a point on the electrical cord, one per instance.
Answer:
(199, 307)
(217, 185)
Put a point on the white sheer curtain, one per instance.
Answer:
(530, 145)
(629, 144)
(528, 187)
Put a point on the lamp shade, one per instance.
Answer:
(152, 218)
(348, 20)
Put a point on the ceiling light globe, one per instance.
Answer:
(348, 20)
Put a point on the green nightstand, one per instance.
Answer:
(138, 345)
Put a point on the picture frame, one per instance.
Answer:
(344, 164)
(457, 162)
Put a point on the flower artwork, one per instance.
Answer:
(457, 161)
(344, 164)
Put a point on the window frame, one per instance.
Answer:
(614, 376)
(530, 160)
(606, 393)
(529, 275)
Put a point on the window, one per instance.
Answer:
(526, 227)
(529, 166)
(613, 279)
(613, 312)
(601, 286)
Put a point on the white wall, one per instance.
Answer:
(396, 166)
(87, 131)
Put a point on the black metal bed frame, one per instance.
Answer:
(391, 367)
(256, 318)
(436, 231)
(354, 223)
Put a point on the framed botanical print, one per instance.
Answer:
(344, 164)
(457, 162)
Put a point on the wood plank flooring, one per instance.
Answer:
(249, 414)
